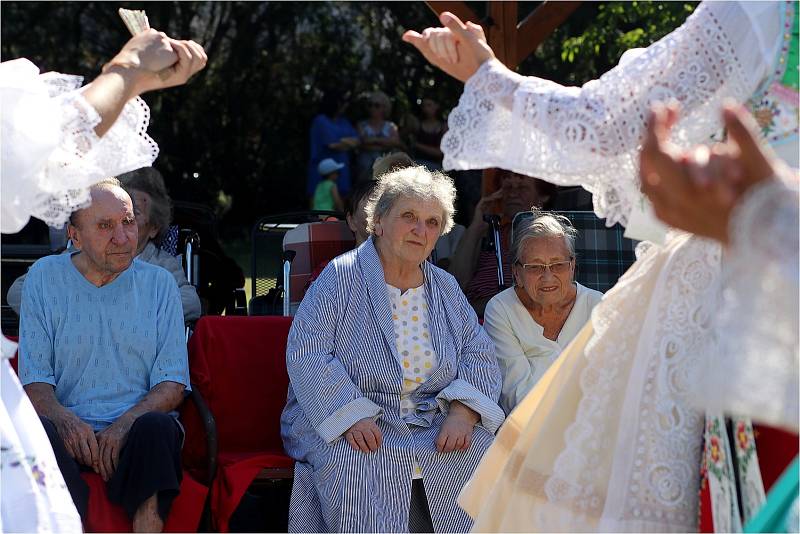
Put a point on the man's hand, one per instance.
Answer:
(456, 431)
(458, 49)
(156, 61)
(364, 435)
(78, 438)
(110, 442)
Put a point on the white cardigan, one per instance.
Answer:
(524, 354)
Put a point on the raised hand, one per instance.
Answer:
(696, 190)
(156, 61)
(483, 204)
(458, 49)
(149, 51)
(191, 59)
(758, 162)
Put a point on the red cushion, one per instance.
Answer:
(236, 472)
(13, 360)
(272, 459)
(238, 364)
(104, 516)
(776, 449)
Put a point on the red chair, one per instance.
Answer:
(238, 364)
(187, 508)
(315, 244)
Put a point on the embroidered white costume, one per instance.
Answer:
(50, 157)
(609, 439)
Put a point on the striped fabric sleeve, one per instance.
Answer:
(324, 389)
(479, 380)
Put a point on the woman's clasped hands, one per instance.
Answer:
(455, 434)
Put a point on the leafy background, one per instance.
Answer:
(236, 137)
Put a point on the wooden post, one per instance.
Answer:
(512, 42)
(538, 26)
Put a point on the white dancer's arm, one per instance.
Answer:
(590, 135)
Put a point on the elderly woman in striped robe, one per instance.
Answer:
(393, 383)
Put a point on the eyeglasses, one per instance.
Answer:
(538, 269)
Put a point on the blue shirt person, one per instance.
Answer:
(331, 136)
(104, 361)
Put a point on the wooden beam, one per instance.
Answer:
(540, 24)
(459, 9)
(502, 31)
(510, 37)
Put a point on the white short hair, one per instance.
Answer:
(412, 182)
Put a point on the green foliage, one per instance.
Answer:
(237, 135)
(592, 40)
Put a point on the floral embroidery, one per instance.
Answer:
(715, 452)
(748, 472)
(741, 435)
(721, 477)
(765, 113)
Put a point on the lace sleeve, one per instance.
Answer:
(590, 136)
(51, 154)
(755, 373)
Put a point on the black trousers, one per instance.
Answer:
(419, 515)
(149, 462)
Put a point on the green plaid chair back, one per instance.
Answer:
(603, 254)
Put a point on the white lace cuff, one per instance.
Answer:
(591, 135)
(82, 158)
(68, 156)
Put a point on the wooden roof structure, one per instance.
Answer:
(511, 39)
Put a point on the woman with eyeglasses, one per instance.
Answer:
(531, 322)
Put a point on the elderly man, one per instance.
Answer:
(103, 360)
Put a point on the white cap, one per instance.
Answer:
(327, 166)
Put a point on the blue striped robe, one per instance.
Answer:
(343, 367)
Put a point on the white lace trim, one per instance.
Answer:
(634, 407)
(590, 136)
(657, 458)
(81, 158)
(755, 371)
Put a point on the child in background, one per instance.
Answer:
(326, 196)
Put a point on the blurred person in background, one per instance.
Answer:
(331, 136)
(474, 263)
(378, 134)
(428, 135)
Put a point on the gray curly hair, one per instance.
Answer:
(415, 182)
